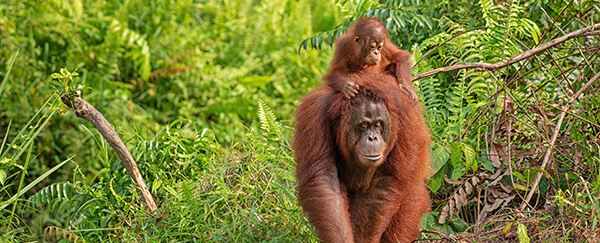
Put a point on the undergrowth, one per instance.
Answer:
(205, 193)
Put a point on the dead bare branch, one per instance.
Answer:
(86, 111)
(587, 31)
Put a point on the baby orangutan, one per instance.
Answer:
(366, 48)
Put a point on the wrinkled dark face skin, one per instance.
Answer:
(368, 134)
(370, 39)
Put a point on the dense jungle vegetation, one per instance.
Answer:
(203, 93)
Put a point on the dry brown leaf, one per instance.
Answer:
(494, 157)
(508, 105)
(468, 188)
(489, 208)
(443, 215)
(498, 152)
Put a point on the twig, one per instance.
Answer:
(517, 58)
(86, 111)
(538, 177)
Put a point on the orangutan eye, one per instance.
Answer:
(364, 126)
(377, 125)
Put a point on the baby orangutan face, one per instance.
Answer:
(369, 39)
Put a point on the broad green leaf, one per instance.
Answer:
(439, 157)
(435, 182)
(455, 156)
(470, 155)
(522, 233)
(2, 176)
(519, 175)
(521, 187)
(487, 164)
(458, 172)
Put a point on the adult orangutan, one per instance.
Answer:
(366, 48)
(362, 163)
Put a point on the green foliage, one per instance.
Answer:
(4, 81)
(53, 196)
(138, 49)
(268, 120)
(245, 193)
(404, 20)
(63, 84)
(153, 68)
(473, 114)
(204, 94)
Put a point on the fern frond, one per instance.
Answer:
(51, 26)
(267, 118)
(139, 48)
(395, 16)
(317, 40)
(52, 195)
(61, 234)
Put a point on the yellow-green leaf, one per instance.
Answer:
(522, 234)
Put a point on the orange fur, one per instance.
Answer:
(348, 58)
(390, 209)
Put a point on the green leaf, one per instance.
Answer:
(530, 174)
(2, 176)
(507, 228)
(56, 76)
(320, 40)
(156, 184)
(64, 72)
(439, 157)
(536, 38)
(522, 233)
(435, 182)
(470, 155)
(487, 164)
(458, 172)
(519, 175)
(4, 81)
(455, 156)
(6, 160)
(521, 187)
(255, 81)
(33, 183)
(267, 118)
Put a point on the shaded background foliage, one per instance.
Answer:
(203, 93)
